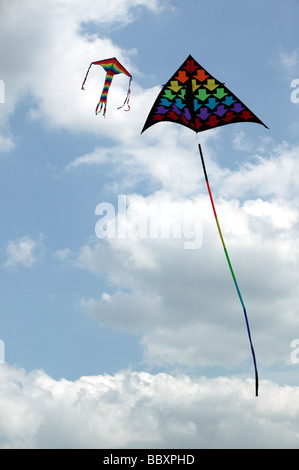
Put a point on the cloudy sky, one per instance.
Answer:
(120, 324)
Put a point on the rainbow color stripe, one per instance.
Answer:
(195, 99)
(103, 99)
(232, 272)
(112, 67)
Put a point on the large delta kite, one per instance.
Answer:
(195, 99)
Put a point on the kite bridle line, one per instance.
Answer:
(231, 269)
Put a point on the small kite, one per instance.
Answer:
(195, 99)
(112, 67)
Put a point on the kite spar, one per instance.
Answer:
(112, 67)
(195, 99)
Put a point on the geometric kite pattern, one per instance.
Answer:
(195, 99)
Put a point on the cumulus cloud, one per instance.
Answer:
(182, 303)
(274, 175)
(97, 156)
(288, 59)
(63, 254)
(166, 157)
(240, 142)
(6, 143)
(142, 410)
(54, 78)
(23, 251)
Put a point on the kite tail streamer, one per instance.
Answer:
(232, 272)
(103, 100)
(127, 97)
(82, 88)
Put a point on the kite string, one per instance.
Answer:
(231, 269)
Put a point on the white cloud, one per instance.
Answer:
(274, 175)
(63, 254)
(118, 11)
(97, 156)
(182, 303)
(23, 251)
(169, 160)
(289, 60)
(49, 56)
(141, 410)
(6, 143)
(240, 142)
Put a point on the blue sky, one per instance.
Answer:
(146, 318)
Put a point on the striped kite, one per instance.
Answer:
(112, 67)
(195, 99)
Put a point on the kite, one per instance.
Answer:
(112, 67)
(195, 99)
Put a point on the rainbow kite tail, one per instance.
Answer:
(232, 272)
(103, 100)
(101, 104)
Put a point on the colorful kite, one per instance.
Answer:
(195, 99)
(112, 67)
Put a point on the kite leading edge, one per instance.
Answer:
(195, 99)
(112, 67)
